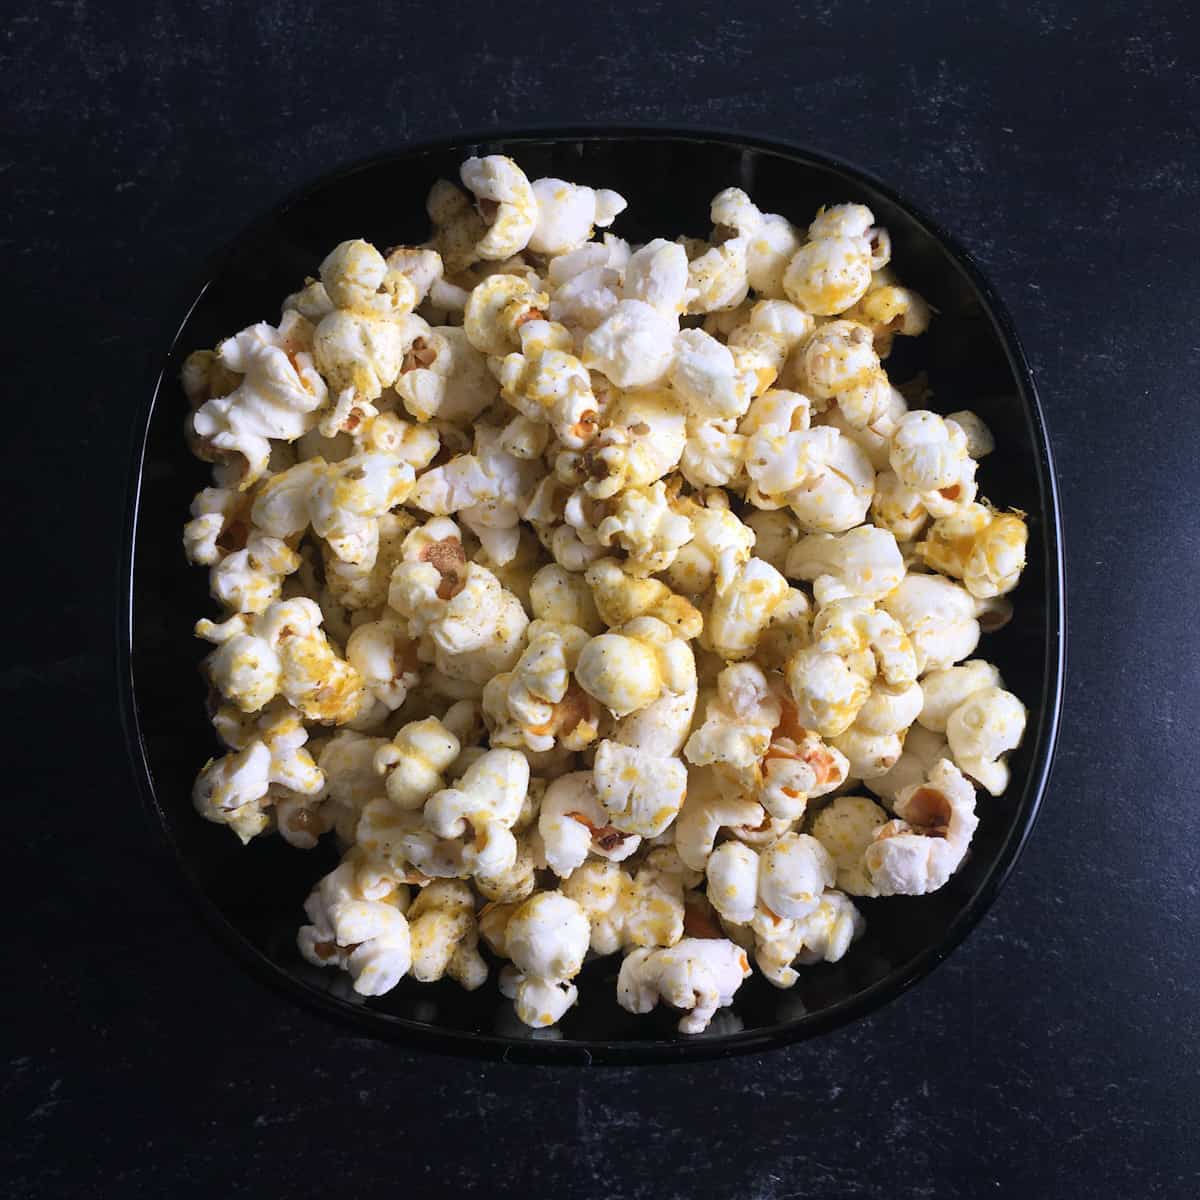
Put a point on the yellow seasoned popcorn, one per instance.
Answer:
(541, 559)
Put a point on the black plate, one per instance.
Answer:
(253, 895)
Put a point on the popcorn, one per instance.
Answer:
(537, 704)
(739, 614)
(657, 274)
(939, 618)
(413, 762)
(566, 214)
(644, 523)
(551, 386)
(846, 827)
(356, 277)
(888, 309)
(369, 938)
(828, 274)
(633, 345)
(643, 439)
(719, 277)
(629, 668)
(922, 748)
(825, 934)
(862, 562)
(277, 396)
(546, 938)
(997, 555)
(489, 487)
(945, 689)
(505, 200)
(362, 353)
(771, 240)
(981, 730)
(573, 824)
(386, 659)
(775, 533)
(619, 597)
(706, 377)
(497, 309)
(282, 651)
(918, 852)
(739, 720)
(443, 376)
(487, 800)
(928, 453)
(444, 935)
(561, 596)
(699, 975)
(619, 520)
(707, 809)
(897, 508)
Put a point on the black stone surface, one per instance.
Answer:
(1055, 1054)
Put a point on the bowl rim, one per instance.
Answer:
(416, 1035)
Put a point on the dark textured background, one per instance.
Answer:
(1056, 1053)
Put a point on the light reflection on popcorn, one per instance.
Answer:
(579, 589)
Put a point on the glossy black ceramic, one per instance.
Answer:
(253, 895)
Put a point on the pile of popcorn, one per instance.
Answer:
(584, 590)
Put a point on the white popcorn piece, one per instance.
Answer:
(823, 935)
(706, 377)
(897, 508)
(633, 345)
(709, 807)
(643, 439)
(386, 659)
(218, 525)
(497, 309)
(553, 387)
(919, 851)
(356, 277)
(775, 533)
(562, 596)
(486, 802)
(828, 274)
(573, 825)
(699, 975)
(537, 705)
(546, 938)
(939, 618)
(861, 562)
(839, 359)
(714, 454)
(629, 668)
(846, 827)
(641, 788)
(872, 641)
(645, 523)
(719, 277)
(348, 497)
(413, 762)
(739, 720)
(771, 240)
(981, 730)
(283, 651)
(922, 748)
(980, 442)
(250, 579)
(445, 935)
(443, 376)
(586, 285)
(793, 874)
(740, 613)
(362, 353)
(618, 597)
(277, 396)
(505, 200)
(657, 273)
(567, 214)
(369, 938)
(828, 693)
(927, 452)
(945, 689)
(421, 266)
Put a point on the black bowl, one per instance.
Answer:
(254, 895)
